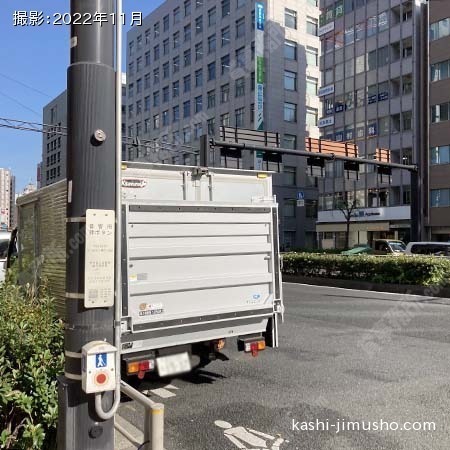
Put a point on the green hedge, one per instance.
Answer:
(422, 271)
(31, 357)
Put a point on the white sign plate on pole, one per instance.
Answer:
(99, 259)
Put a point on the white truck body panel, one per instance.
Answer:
(200, 255)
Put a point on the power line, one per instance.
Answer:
(19, 103)
(152, 145)
(31, 88)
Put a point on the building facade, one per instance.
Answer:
(191, 68)
(53, 167)
(7, 199)
(439, 134)
(373, 68)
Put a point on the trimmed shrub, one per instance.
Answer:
(31, 357)
(422, 271)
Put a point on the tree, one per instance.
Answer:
(347, 207)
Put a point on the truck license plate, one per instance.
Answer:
(173, 364)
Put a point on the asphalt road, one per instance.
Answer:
(344, 356)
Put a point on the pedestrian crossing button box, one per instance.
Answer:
(98, 367)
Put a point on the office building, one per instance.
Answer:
(191, 68)
(438, 177)
(7, 199)
(374, 94)
(53, 167)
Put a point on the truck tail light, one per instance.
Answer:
(255, 347)
(140, 367)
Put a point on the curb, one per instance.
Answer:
(428, 291)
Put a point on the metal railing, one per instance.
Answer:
(153, 420)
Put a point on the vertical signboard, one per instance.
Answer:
(260, 19)
(99, 259)
(260, 65)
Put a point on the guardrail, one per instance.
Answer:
(153, 420)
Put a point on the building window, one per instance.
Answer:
(289, 208)
(440, 155)
(176, 113)
(166, 46)
(211, 126)
(176, 15)
(240, 28)
(290, 80)
(440, 29)
(290, 112)
(156, 122)
(226, 36)
(212, 17)
(440, 71)
(240, 117)
(225, 120)
(165, 118)
(199, 78)
(176, 64)
(199, 25)
(225, 64)
(212, 43)
(187, 109)
(311, 85)
(311, 116)
(187, 135)
(211, 71)
(166, 23)
(147, 58)
(198, 104)
(211, 99)
(290, 50)
(225, 93)
(187, 8)
(187, 83)
(165, 94)
(187, 58)
(240, 87)
(166, 70)
(226, 8)
(290, 18)
(156, 99)
(176, 89)
(407, 120)
(311, 26)
(440, 113)
(198, 130)
(440, 198)
(289, 175)
(176, 39)
(199, 51)
(240, 57)
(312, 56)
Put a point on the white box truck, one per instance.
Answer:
(201, 262)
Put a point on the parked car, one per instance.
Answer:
(428, 248)
(388, 247)
(360, 250)
(4, 245)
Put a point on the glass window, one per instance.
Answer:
(199, 51)
(440, 113)
(360, 63)
(290, 80)
(383, 21)
(240, 28)
(212, 17)
(440, 198)
(198, 104)
(225, 8)
(311, 116)
(240, 57)
(311, 25)
(290, 141)
(372, 60)
(290, 50)
(240, 87)
(240, 117)
(225, 64)
(199, 78)
(212, 43)
(290, 18)
(211, 71)
(199, 25)
(211, 99)
(226, 35)
(440, 71)
(290, 112)
(312, 56)
(440, 29)
(311, 85)
(349, 35)
(440, 155)
(289, 175)
(372, 26)
(225, 93)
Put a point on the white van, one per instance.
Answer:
(4, 244)
(428, 248)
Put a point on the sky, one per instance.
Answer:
(33, 71)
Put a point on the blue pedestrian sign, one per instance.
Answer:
(300, 195)
(100, 360)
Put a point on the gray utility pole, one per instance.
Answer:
(91, 185)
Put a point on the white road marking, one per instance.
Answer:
(241, 437)
(163, 393)
(359, 290)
